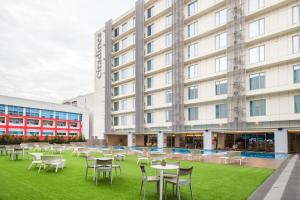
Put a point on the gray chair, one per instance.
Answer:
(103, 166)
(90, 164)
(148, 179)
(171, 174)
(184, 177)
(117, 165)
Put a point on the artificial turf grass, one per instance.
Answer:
(210, 181)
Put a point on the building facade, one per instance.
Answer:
(22, 117)
(213, 74)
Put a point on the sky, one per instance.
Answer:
(47, 46)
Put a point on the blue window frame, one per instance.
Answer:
(73, 116)
(60, 115)
(2, 109)
(33, 133)
(15, 132)
(15, 110)
(2, 132)
(32, 112)
(48, 114)
(48, 133)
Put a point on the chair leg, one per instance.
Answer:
(86, 172)
(145, 189)
(178, 192)
(157, 187)
(96, 177)
(165, 191)
(110, 173)
(192, 195)
(141, 187)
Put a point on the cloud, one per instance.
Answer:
(47, 47)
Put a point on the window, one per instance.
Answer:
(168, 97)
(193, 113)
(296, 74)
(150, 12)
(296, 14)
(192, 50)
(221, 64)
(168, 40)
(193, 29)
(116, 106)
(124, 27)
(193, 71)
(15, 110)
(124, 120)
(168, 21)
(297, 104)
(168, 58)
(116, 32)
(150, 30)
(124, 58)
(256, 4)
(257, 28)
(221, 41)
(125, 104)
(149, 65)
(125, 73)
(193, 92)
(221, 111)
(258, 107)
(149, 47)
(149, 118)
(149, 82)
(116, 61)
(2, 109)
(124, 43)
(168, 77)
(116, 91)
(116, 121)
(257, 54)
(33, 133)
(221, 87)
(2, 132)
(116, 76)
(48, 114)
(149, 100)
(220, 17)
(125, 89)
(61, 115)
(296, 44)
(16, 121)
(168, 115)
(116, 47)
(15, 132)
(72, 116)
(32, 112)
(168, 3)
(257, 81)
(192, 8)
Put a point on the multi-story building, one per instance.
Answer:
(208, 74)
(23, 117)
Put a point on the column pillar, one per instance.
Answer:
(161, 139)
(281, 140)
(131, 140)
(207, 140)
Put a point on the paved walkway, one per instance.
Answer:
(283, 184)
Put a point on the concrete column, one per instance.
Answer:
(207, 140)
(161, 139)
(281, 140)
(131, 140)
(177, 141)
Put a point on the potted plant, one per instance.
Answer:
(163, 163)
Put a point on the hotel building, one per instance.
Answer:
(22, 117)
(211, 74)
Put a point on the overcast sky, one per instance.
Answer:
(47, 46)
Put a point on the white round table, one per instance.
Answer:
(162, 169)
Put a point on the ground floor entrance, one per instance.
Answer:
(294, 141)
(117, 140)
(188, 140)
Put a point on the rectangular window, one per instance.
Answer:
(149, 65)
(33, 133)
(150, 30)
(168, 115)
(221, 41)
(116, 47)
(124, 58)
(257, 54)
(15, 110)
(296, 14)
(168, 58)
(297, 104)
(193, 113)
(168, 21)
(116, 121)
(61, 115)
(124, 27)
(168, 97)
(193, 92)
(149, 47)
(221, 64)
(168, 40)
(221, 111)
(192, 50)
(220, 17)
(168, 3)
(73, 116)
(116, 106)
(193, 71)
(149, 100)
(221, 87)
(124, 43)
(150, 12)
(116, 32)
(149, 82)
(116, 61)
(256, 4)
(257, 28)
(48, 114)
(15, 132)
(125, 89)
(296, 44)
(192, 8)
(116, 91)
(258, 107)
(193, 29)
(125, 73)
(2, 109)
(168, 77)
(32, 112)
(149, 118)
(296, 74)
(116, 76)
(257, 81)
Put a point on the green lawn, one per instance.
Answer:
(210, 181)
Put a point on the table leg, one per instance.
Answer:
(161, 184)
(23, 154)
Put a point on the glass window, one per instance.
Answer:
(168, 3)
(258, 107)
(32, 112)
(2, 132)
(193, 92)
(168, 21)
(2, 109)
(296, 14)
(149, 118)
(149, 65)
(124, 43)
(168, 40)
(15, 132)
(168, 97)
(116, 121)
(220, 17)
(221, 111)
(124, 58)
(257, 54)
(193, 71)
(192, 8)
(168, 58)
(168, 115)
(193, 29)
(256, 4)
(15, 110)
(33, 133)
(125, 89)
(221, 87)
(149, 100)
(125, 73)
(60, 115)
(116, 47)
(297, 74)
(221, 41)
(192, 50)
(48, 133)
(257, 81)
(221, 64)
(116, 61)
(47, 114)
(257, 28)
(116, 106)
(150, 12)
(297, 104)
(124, 27)
(150, 30)
(116, 76)
(296, 44)
(193, 113)
(116, 91)
(73, 116)
(168, 77)
(149, 82)
(116, 32)
(149, 47)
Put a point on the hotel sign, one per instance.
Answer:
(99, 69)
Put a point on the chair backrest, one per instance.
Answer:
(50, 158)
(156, 162)
(105, 163)
(89, 160)
(233, 153)
(144, 173)
(185, 172)
(36, 156)
(173, 163)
